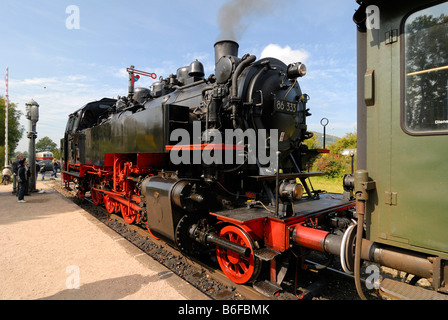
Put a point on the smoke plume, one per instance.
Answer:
(234, 16)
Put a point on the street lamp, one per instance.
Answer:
(32, 114)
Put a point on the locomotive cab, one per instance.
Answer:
(88, 116)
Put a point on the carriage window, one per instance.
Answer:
(426, 70)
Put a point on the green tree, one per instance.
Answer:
(45, 144)
(15, 129)
(57, 154)
(312, 143)
(347, 142)
(334, 164)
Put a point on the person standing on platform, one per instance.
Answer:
(22, 179)
(42, 170)
(55, 168)
(28, 174)
(37, 169)
(15, 168)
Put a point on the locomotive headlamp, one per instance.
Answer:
(296, 70)
(291, 190)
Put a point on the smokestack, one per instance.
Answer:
(225, 48)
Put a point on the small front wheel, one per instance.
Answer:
(237, 268)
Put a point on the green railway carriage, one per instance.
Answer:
(405, 103)
(403, 125)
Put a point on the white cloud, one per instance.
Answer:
(122, 73)
(285, 54)
(57, 97)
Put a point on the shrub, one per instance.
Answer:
(332, 165)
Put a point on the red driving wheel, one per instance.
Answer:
(128, 214)
(96, 196)
(109, 204)
(237, 268)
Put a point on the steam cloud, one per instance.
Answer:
(233, 16)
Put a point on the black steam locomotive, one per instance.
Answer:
(209, 164)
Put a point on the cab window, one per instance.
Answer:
(426, 70)
(70, 124)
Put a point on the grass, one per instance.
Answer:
(331, 185)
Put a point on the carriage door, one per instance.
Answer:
(418, 195)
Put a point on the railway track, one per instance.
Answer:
(328, 284)
(203, 276)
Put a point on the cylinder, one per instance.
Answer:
(309, 238)
(400, 259)
(225, 48)
(333, 244)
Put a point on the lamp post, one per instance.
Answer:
(324, 122)
(32, 114)
(6, 118)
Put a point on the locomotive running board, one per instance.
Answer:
(301, 175)
(402, 291)
(265, 254)
(267, 288)
(72, 173)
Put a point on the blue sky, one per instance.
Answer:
(63, 69)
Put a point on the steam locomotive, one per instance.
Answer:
(216, 166)
(234, 183)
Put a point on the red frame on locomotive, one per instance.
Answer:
(123, 197)
(275, 233)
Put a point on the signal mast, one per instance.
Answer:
(6, 118)
(134, 75)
